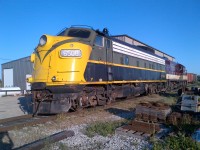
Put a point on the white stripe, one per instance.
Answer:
(143, 56)
(137, 53)
(120, 48)
(156, 61)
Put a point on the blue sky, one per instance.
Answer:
(172, 26)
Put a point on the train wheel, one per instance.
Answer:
(93, 101)
(75, 105)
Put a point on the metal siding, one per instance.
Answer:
(21, 68)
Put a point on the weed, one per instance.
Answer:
(62, 146)
(169, 100)
(48, 145)
(134, 143)
(102, 128)
(180, 141)
(96, 145)
(60, 117)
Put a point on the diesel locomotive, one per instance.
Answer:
(176, 75)
(83, 67)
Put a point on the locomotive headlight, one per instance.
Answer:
(43, 40)
(70, 53)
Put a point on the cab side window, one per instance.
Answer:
(99, 41)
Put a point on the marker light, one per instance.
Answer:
(53, 78)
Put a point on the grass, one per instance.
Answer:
(102, 128)
(181, 138)
(61, 117)
(197, 84)
(177, 142)
(169, 98)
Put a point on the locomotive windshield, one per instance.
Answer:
(80, 33)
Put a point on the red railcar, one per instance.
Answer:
(175, 75)
(192, 78)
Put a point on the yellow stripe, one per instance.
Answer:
(119, 65)
(134, 81)
(104, 82)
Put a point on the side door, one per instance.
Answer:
(109, 58)
(98, 68)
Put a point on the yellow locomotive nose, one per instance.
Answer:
(60, 60)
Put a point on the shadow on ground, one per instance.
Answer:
(26, 104)
(126, 114)
(168, 94)
(5, 141)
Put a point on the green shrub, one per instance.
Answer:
(102, 128)
(178, 142)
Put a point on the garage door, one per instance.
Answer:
(8, 77)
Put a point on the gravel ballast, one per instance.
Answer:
(114, 142)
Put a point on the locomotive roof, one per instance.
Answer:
(133, 46)
(121, 35)
(114, 39)
(117, 40)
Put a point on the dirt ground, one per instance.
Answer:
(124, 109)
(12, 106)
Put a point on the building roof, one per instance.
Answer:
(27, 58)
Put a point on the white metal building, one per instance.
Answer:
(14, 73)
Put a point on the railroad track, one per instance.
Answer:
(28, 120)
(22, 121)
